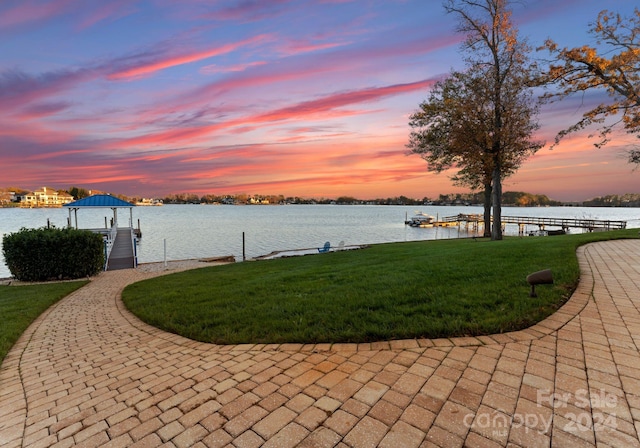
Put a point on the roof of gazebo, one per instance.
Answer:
(100, 200)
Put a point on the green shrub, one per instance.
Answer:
(52, 254)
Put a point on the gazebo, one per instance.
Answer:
(119, 243)
(100, 201)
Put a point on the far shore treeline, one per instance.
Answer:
(10, 197)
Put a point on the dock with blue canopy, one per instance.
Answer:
(120, 241)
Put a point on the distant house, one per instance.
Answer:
(258, 200)
(7, 196)
(46, 197)
(149, 201)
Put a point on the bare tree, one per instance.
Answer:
(577, 70)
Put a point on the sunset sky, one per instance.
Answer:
(294, 97)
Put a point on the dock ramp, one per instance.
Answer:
(122, 254)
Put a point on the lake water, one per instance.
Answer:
(198, 231)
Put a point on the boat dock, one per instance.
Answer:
(473, 222)
(119, 242)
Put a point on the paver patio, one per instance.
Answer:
(88, 373)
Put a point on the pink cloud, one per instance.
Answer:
(330, 183)
(248, 10)
(325, 107)
(306, 46)
(213, 69)
(61, 154)
(154, 156)
(145, 68)
(332, 102)
(318, 65)
(23, 12)
(345, 63)
(18, 89)
(46, 109)
(334, 162)
(277, 166)
(30, 133)
(113, 9)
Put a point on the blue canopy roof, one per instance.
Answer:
(100, 200)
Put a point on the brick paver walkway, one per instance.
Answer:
(88, 373)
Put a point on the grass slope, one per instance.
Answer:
(389, 291)
(21, 305)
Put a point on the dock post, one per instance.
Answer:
(244, 258)
(165, 252)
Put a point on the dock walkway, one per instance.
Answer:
(89, 373)
(122, 254)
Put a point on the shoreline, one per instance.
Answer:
(199, 232)
(154, 266)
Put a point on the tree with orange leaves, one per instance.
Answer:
(577, 70)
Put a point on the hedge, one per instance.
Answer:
(53, 254)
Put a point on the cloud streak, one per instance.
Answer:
(18, 88)
(329, 107)
(148, 67)
(15, 13)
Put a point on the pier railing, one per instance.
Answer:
(108, 236)
(564, 223)
(134, 246)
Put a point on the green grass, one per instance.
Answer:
(21, 305)
(388, 291)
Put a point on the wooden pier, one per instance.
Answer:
(591, 225)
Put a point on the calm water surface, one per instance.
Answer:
(195, 231)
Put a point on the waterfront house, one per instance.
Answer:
(46, 197)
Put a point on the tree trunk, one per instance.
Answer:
(496, 232)
(487, 209)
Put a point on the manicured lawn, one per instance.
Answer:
(21, 305)
(388, 291)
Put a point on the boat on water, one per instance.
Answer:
(421, 220)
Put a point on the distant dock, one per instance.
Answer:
(473, 222)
